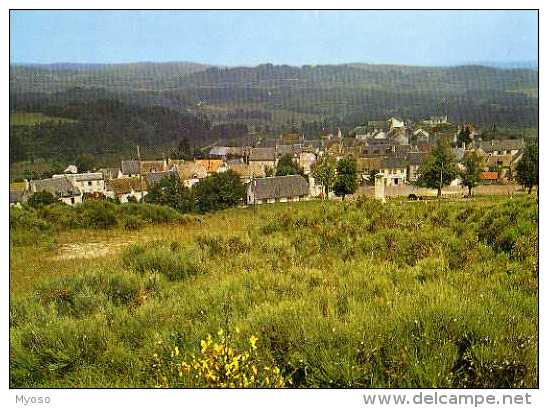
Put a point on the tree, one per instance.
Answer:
(527, 167)
(324, 173)
(371, 177)
(439, 168)
(171, 192)
(183, 151)
(85, 162)
(347, 177)
(287, 167)
(218, 191)
(464, 136)
(268, 171)
(41, 199)
(471, 173)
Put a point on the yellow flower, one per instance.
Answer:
(253, 341)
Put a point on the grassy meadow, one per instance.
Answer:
(310, 294)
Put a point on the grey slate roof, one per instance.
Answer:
(280, 187)
(60, 186)
(416, 158)
(393, 163)
(505, 144)
(288, 149)
(153, 178)
(131, 167)
(262, 154)
(86, 176)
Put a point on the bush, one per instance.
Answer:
(41, 199)
(170, 260)
(151, 213)
(219, 365)
(27, 228)
(219, 191)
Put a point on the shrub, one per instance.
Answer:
(219, 365)
(171, 261)
(151, 213)
(132, 223)
(41, 199)
(27, 228)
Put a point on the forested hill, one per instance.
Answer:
(275, 94)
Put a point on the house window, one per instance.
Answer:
(72, 200)
(89, 183)
(395, 181)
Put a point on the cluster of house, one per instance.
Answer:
(394, 148)
(397, 148)
(134, 178)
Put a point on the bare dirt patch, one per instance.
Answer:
(89, 249)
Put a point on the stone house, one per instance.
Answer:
(213, 166)
(152, 166)
(86, 182)
(394, 171)
(61, 187)
(130, 168)
(277, 189)
(125, 187)
(248, 172)
(263, 156)
(414, 161)
(191, 172)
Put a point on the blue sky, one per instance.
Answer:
(282, 37)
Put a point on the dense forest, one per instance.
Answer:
(107, 125)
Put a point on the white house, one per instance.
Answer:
(86, 182)
(394, 170)
(395, 123)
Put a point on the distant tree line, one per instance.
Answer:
(111, 126)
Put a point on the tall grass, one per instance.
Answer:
(338, 294)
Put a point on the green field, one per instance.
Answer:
(29, 119)
(331, 294)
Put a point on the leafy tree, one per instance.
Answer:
(439, 168)
(287, 167)
(527, 167)
(184, 150)
(371, 177)
(324, 173)
(347, 177)
(85, 162)
(171, 192)
(471, 173)
(464, 136)
(218, 191)
(41, 199)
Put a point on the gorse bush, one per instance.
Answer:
(353, 294)
(99, 214)
(170, 260)
(27, 227)
(219, 365)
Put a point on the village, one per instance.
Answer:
(392, 151)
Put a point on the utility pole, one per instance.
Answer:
(140, 177)
(441, 179)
